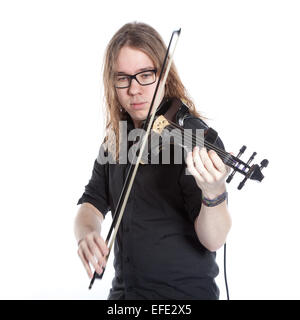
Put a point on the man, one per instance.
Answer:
(173, 222)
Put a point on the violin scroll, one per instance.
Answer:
(254, 172)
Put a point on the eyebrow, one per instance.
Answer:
(137, 71)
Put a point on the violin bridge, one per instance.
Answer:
(159, 124)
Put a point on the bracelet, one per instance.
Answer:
(214, 202)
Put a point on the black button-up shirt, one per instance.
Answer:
(157, 252)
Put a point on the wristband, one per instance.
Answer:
(216, 201)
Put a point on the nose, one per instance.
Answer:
(134, 87)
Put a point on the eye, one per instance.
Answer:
(146, 75)
(122, 78)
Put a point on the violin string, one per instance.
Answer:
(223, 154)
(194, 139)
(191, 138)
(228, 161)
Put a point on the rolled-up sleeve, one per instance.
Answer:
(96, 191)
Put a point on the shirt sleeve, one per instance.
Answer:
(96, 191)
(192, 194)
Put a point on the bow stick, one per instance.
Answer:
(157, 96)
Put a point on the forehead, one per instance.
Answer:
(132, 60)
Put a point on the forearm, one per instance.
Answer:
(88, 220)
(212, 226)
(213, 222)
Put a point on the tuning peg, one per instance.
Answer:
(240, 186)
(242, 150)
(252, 157)
(264, 163)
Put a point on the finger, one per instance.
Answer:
(102, 245)
(217, 161)
(190, 165)
(92, 258)
(85, 263)
(104, 251)
(228, 169)
(95, 251)
(198, 161)
(207, 162)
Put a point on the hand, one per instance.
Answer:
(93, 250)
(208, 170)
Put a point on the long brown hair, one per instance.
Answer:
(145, 38)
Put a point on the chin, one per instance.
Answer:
(139, 116)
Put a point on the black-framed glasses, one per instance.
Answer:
(144, 78)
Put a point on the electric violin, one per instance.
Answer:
(174, 118)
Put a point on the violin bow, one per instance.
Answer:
(157, 96)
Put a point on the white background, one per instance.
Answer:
(240, 62)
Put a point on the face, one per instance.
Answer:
(136, 99)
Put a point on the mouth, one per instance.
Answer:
(138, 105)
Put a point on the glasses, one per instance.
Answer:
(144, 78)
